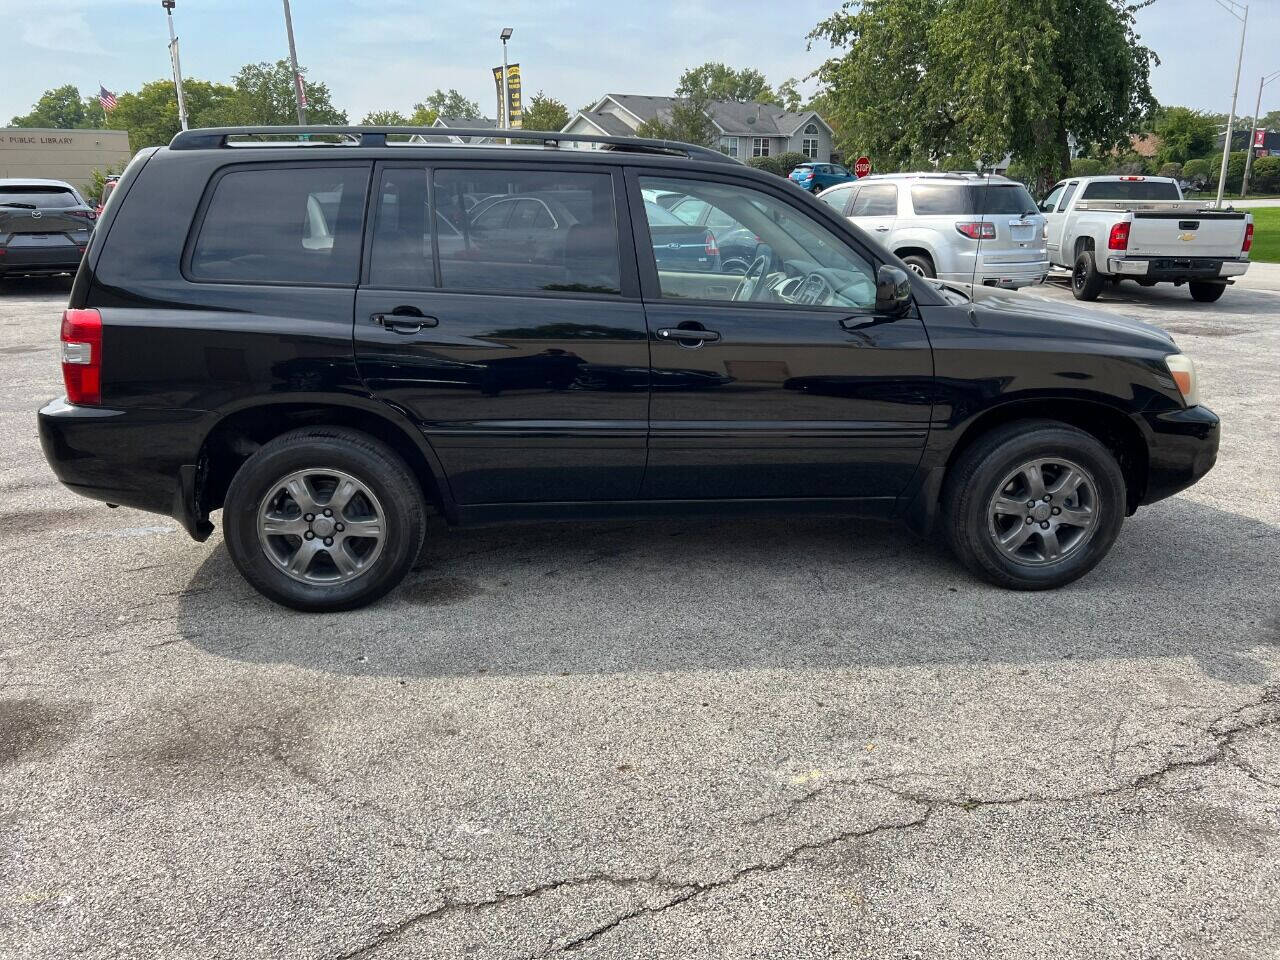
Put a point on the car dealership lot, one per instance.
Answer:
(679, 738)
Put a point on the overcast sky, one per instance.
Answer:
(390, 53)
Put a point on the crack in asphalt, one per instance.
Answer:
(1224, 730)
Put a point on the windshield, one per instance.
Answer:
(971, 199)
(1132, 190)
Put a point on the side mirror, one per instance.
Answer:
(893, 291)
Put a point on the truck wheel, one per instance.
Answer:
(1086, 281)
(1033, 505)
(324, 518)
(921, 264)
(1206, 292)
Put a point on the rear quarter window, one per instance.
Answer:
(278, 224)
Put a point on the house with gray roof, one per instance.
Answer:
(458, 124)
(745, 129)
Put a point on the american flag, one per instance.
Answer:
(106, 98)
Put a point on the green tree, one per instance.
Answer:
(1184, 134)
(263, 93)
(1173, 170)
(450, 104)
(545, 113)
(1196, 171)
(789, 95)
(150, 114)
(688, 122)
(917, 80)
(1087, 167)
(716, 81)
(62, 108)
(385, 118)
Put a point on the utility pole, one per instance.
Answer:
(1248, 157)
(177, 64)
(1234, 9)
(293, 63)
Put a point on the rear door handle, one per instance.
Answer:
(882, 229)
(404, 320)
(684, 333)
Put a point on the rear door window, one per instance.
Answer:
(283, 224)
(528, 230)
(876, 200)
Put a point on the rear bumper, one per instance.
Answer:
(1182, 446)
(145, 459)
(33, 260)
(1176, 269)
(1006, 275)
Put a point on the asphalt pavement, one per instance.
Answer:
(660, 739)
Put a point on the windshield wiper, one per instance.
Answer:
(24, 206)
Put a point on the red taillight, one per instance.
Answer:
(82, 214)
(978, 230)
(1248, 238)
(82, 356)
(1119, 239)
(1134, 179)
(712, 248)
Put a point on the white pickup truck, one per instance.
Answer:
(1140, 228)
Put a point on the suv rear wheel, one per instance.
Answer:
(1034, 505)
(921, 264)
(324, 518)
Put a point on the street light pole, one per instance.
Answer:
(1248, 157)
(505, 119)
(293, 62)
(1233, 9)
(177, 64)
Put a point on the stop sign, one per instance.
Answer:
(862, 167)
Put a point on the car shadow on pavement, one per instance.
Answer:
(1184, 580)
(1237, 302)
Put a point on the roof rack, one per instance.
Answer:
(210, 138)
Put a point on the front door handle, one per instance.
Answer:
(404, 320)
(688, 336)
(882, 229)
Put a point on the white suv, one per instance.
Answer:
(953, 226)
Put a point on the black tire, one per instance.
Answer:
(921, 264)
(373, 464)
(975, 480)
(1086, 281)
(1205, 292)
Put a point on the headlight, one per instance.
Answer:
(1183, 372)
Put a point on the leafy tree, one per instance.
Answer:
(1184, 134)
(63, 108)
(1087, 167)
(97, 178)
(1196, 171)
(715, 81)
(917, 80)
(688, 122)
(545, 113)
(1129, 163)
(789, 95)
(788, 161)
(1235, 172)
(423, 116)
(385, 118)
(1172, 170)
(263, 93)
(151, 113)
(450, 104)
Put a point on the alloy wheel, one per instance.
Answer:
(321, 526)
(1043, 512)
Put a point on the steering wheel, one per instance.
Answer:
(752, 285)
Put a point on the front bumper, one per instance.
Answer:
(146, 459)
(1175, 269)
(1182, 446)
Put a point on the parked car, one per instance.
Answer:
(957, 227)
(736, 243)
(678, 245)
(44, 227)
(816, 177)
(1140, 228)
(323, 395)
(108, 185)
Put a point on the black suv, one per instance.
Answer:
(321, 332)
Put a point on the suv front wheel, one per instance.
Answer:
(324, 518)
(1034, 505)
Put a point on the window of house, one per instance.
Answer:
(809, 147)
(283, 225)
(527, 230)
(811, 129)
(729, 145)
(759, 146)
